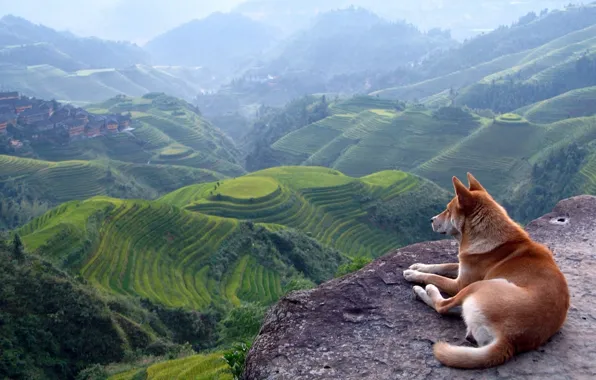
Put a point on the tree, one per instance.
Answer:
(17, 248)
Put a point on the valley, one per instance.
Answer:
(173, 192)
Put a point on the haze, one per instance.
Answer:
(140, 20)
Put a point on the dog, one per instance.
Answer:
(512, 295)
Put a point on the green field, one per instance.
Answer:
(196, 367)
(572, 104)
(57, 182)
(192, 247)
(322, 202)
(375, 138)
(165, 131)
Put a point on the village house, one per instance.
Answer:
(21, 105)
(16, 144)
(49, 106)
(124, 121)
(82, 115)
(10, 95)
(7, 119)
(75, 128)
(33, 115)
(94, 128)
(112, 125)
(43, 125)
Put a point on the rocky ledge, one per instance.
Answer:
(368, 325)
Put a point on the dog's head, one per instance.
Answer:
(464, 204)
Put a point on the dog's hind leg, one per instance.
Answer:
(432, 296)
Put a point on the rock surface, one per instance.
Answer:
(368, 325)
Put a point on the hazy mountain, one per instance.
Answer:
(465, 18)
(220, 41)
(24, 43)
(351, 40)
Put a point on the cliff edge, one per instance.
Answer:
(368, 325)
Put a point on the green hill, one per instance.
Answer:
(54, 325)
(89, 85)
(504, 154)
(572, 104)
(166, 130)
(210, 243)
(30, 187)
(534, 43)
(366, 134)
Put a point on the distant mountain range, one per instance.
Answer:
(222, 42)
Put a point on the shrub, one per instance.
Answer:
(357, 263)
(236, 358)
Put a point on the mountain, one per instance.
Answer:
(508, 152)
(222, 42)
(165, 130)
(535, 42)
(74, 155)
(95, 85)
(465, 18)
(351, 40)
(243, 239)
(24, 43)
(45, 63)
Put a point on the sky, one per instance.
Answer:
(140, 20)
(114, 19)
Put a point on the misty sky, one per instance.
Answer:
(114, 19)
(141, 20)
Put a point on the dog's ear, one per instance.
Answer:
(474, 184)
(464, 196)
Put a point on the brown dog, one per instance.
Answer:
(512, 294)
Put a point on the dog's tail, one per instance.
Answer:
(495, 353)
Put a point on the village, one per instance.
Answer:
(39, 120)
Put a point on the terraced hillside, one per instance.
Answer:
(503, 153)
(95, 85)
(170, 256)
(230, 242)
(165, 130)
(551, 40)
(572, 104)
(365, 135)
(64, 181)
(331, 207)
(196, 367)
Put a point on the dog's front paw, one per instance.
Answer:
(419, 267)
(412, 275)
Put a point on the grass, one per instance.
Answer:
(195, 367)
(511, 119)
(248, 187)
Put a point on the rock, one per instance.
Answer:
(368, 324)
